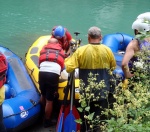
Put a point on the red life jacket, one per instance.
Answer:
(53, 53)
(3, 69)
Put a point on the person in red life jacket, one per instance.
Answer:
(3, 72)
(51, 62)
(63, 36)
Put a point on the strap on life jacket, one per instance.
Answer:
(53, 51)
(55, 54)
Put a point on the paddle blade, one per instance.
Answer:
(77, 116)
(70, 125)
(75, 113)
(60, 120)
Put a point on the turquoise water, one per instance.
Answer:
(22, 22)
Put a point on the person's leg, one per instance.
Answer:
(43, 93)
(43, 104)
(2, 126)
(51, 87)
(48, 113)
(48, 109)
(42, 101)
(104, 104)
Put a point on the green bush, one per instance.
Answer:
(131, 110)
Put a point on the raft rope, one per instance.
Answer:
(122, 37)
(34, 104)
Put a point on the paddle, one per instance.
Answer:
(75, 113)
(62, 109)
(69, 124)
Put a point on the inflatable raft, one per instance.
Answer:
(21, 106)
(117, 43)
(31, 63)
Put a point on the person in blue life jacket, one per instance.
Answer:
(141, 24)
(51, 63)
(98, 59)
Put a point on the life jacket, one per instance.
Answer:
(52, 53)
(3, 69)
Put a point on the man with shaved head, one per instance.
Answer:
(52, 40)
(51, 62)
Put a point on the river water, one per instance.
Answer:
(22, 22)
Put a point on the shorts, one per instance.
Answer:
(48, 84)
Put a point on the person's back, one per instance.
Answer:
(93, 57)
(52, 52)
(97, 59)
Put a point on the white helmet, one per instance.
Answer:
(145, 16)
(141, 25)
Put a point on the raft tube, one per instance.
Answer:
(117, 43)
(21, 106)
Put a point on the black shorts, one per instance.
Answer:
(48, 84)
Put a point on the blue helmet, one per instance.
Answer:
(59, 32)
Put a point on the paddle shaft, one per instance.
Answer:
(62, 109)
(72, 89)
(70, 77)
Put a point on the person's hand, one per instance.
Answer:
(72, 46)
(128, 75)
(67, 54)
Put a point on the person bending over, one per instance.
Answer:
(51, 62)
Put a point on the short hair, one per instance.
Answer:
(94, 32)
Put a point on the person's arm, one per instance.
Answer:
(68, 52)
(130, 52)
(69, 38)
(71, 63)
(68, 35)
